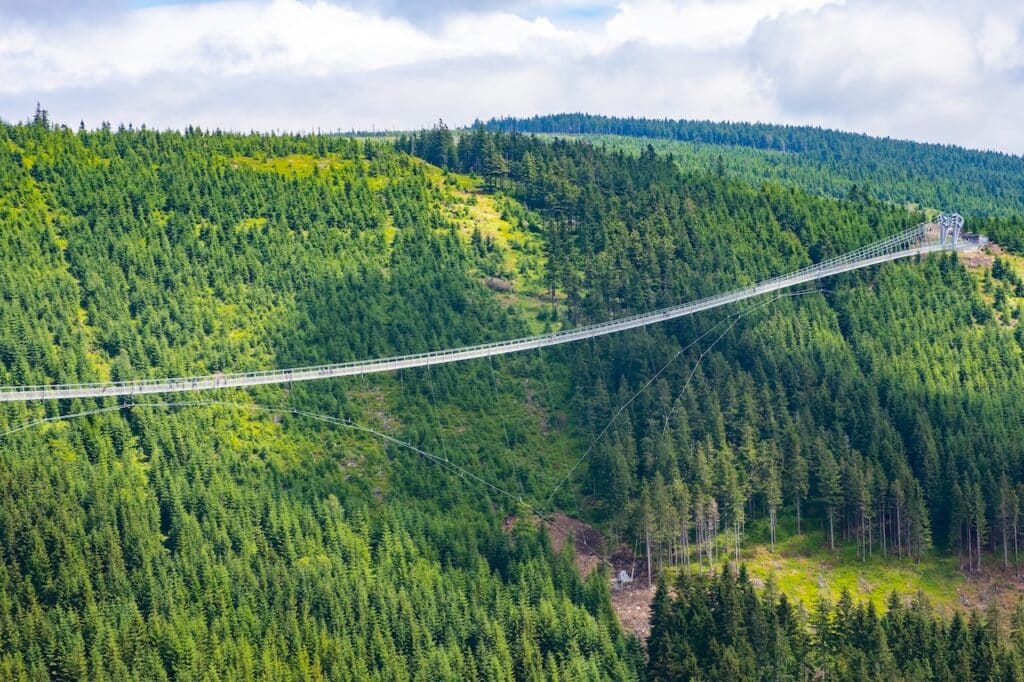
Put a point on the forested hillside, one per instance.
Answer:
(167, 541)
(893, 401)
(820, 161)
(882, 414)
(721, 628)
(220, 543)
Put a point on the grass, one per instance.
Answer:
(300, 165)
(807, 571)
(506, 223)
(804, 568)
(987, 286)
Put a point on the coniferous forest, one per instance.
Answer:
(821, 161)
(721, 628)
(234, 535)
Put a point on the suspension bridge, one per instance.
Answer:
(944, 234)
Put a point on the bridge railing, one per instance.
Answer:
(907, 240)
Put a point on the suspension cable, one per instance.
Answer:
(443, 462)
(737, 317)
(544, 513)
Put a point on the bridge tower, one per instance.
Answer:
(950, 226)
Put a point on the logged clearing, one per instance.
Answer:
(805, 569)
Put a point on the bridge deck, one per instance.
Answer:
(913, 242)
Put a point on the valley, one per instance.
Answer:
(389, 526)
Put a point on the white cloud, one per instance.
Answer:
(926, 69)
(502, 33)
(862, 57)
(1001, 42)
(222, 39)
(896, 69)
(244, 38)
(703, 24)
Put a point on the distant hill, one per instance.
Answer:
(822, 161)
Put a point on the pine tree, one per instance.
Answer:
(980, 522)
(773, 494)
(919, 528)
(798, 475)
(681, 495)
(829, 488)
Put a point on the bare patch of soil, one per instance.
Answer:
(587, 541)
(632, 604)
(497, 284)
(632, 600)
(981, 259)
(977, 259)
(993, 587)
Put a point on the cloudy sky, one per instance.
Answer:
(934, 70)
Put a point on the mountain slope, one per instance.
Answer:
(225, 540)
(830, 162)
(222, 541)
(896, 393)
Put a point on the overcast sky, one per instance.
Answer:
(933, 70)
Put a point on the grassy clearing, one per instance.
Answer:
(804, 568)
(508, 225)
(299, 165)
(495, 216)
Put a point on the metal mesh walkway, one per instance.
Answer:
(918, 240)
